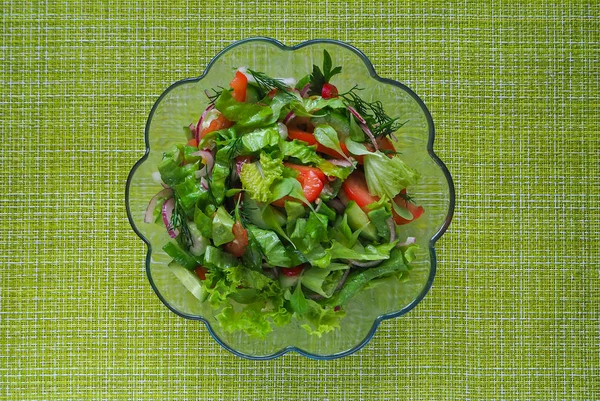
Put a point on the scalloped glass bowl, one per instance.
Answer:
(184, 101)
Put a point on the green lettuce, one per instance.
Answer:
(260, 138)
(324, 281)
(321, 318)
(358, 280)
(386, 177)
(258, 177)
(369, 252)
(248, 115)
(271, 246)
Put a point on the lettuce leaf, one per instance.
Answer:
(328, 137)
(265, 304)
(370, 252)
(248, 115)
(188, 192)
(321, 318)
(358, 280)
(313, 104)
(386, 177)
(258, 177)
(324, 281)
(260, 138)
(270, 246)
(172, 173)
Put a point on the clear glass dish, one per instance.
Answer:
(182, 103)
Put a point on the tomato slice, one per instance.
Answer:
(201, 272)
(355, 188)
(310, 139)
(239, 83)
(237, 247)
(303, 170)
(416, 211)
(292, 271)
(312, 180)
(218, 123)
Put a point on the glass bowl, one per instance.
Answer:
(181, 104)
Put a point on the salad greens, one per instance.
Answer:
(285, 201)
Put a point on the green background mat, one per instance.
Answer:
(514, 312)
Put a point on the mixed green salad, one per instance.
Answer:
(285, 201)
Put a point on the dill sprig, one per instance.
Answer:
(380, 123)
(407, 197)
(212, 97)
(265, 84)
(179, 221)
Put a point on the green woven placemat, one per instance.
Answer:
(514, 92)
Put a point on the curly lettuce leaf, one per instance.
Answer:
(258, 177)
(321, 318)
(386, 177)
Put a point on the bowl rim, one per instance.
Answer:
(434, 238)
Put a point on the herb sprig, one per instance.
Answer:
(180, 221)
(319, 78)
(380, 123)
(265, 84)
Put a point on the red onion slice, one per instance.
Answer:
(340, 162)
(288, 117)
(201, 120)
(337, 205)
(367, 131)
(357, 115)
(165, 193)
(409, 241)
(207, 158)
(204, 183)
(304, 90)
(343, 280)
(193, 130)
(371, 263)
(392, 227)
(167, 213)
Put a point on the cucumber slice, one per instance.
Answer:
(190, 281)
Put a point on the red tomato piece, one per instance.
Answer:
(312, 180)
(292, 271)
(201, 272)
(218, 123)
(239, 83)
(355, 188)
(237, 247)
(416, 211)
(303, 170)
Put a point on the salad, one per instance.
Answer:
(285, 201)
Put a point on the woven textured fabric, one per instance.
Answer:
(514, 92)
